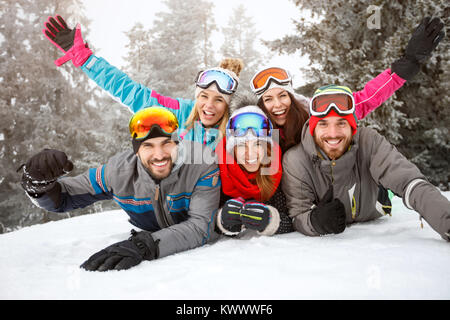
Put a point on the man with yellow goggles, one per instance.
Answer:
(172, 200)
(152, 122)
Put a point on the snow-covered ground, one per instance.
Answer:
(390, 258)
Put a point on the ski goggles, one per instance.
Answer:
(144, 120)
(261, 80)
(241, 123)
(343, 103)
(224, 81)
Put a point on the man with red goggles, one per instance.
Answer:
(337, 174)
(170, 197)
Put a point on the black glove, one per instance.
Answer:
(255, 215)
(231, 214)
(423, 41)
(42, 170)
(125, 254)
(60, 33)
(329, 215)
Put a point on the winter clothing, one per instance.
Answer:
(287, 86)
(213, 87)
(423, 41)
(69, 41)
(332, 89)
(232, 140)
(255, 215)
(136, 97)
(42, 170)
(267, 218)
(231, 64)
(237, 182)
(329, 214)
(124, 254)
(155, 132)
(230, 216)
(178, 210)
(279, 221)
(371, 161)
(351, 119)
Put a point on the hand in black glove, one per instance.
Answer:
(255, 215)
(231, 214)
(423, 41)
(329, 215)
(59, 33)
(42, 170)
(125, 254)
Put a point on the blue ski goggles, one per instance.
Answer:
(240, 124)
(224, 81)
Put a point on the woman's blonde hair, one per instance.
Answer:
(233, 64)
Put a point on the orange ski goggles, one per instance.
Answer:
(262, 79)
(144, 120)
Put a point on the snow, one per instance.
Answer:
(390, 258)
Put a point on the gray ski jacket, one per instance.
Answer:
(179, 210)
(371, 161)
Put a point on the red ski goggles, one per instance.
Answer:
(143, 121)
(342, 103)
(262, 79)
(224, 81)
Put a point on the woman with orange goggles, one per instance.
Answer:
(288, 111)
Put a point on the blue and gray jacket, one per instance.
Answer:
(137, 96)
(179, 210)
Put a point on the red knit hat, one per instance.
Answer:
(351, 119)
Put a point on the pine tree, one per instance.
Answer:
(239, 42)
(177, 47)
(41, 106)
(344, 50)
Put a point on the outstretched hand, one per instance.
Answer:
(69, 41)
(425, 39)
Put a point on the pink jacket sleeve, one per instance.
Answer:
(375, 92)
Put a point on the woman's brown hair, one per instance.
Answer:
(292, 129)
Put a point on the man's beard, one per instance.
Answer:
(159, 175)
(333, 154)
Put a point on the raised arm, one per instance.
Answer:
(118, 84)
(41, 180)
(423, 41)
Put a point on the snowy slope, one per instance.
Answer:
(391, 258)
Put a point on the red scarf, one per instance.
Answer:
(237, 182)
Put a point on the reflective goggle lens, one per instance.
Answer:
(343, 103)
(241, 123)
(142, 121)
(224, 81)
(262, 78)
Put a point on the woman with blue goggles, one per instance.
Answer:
(250, 172)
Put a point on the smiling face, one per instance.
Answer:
(249, 154)
(158, 156)
(333, 135)
(277, 102)
(211, 107)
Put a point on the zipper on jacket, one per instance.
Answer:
(158, 198)
(333, 163)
